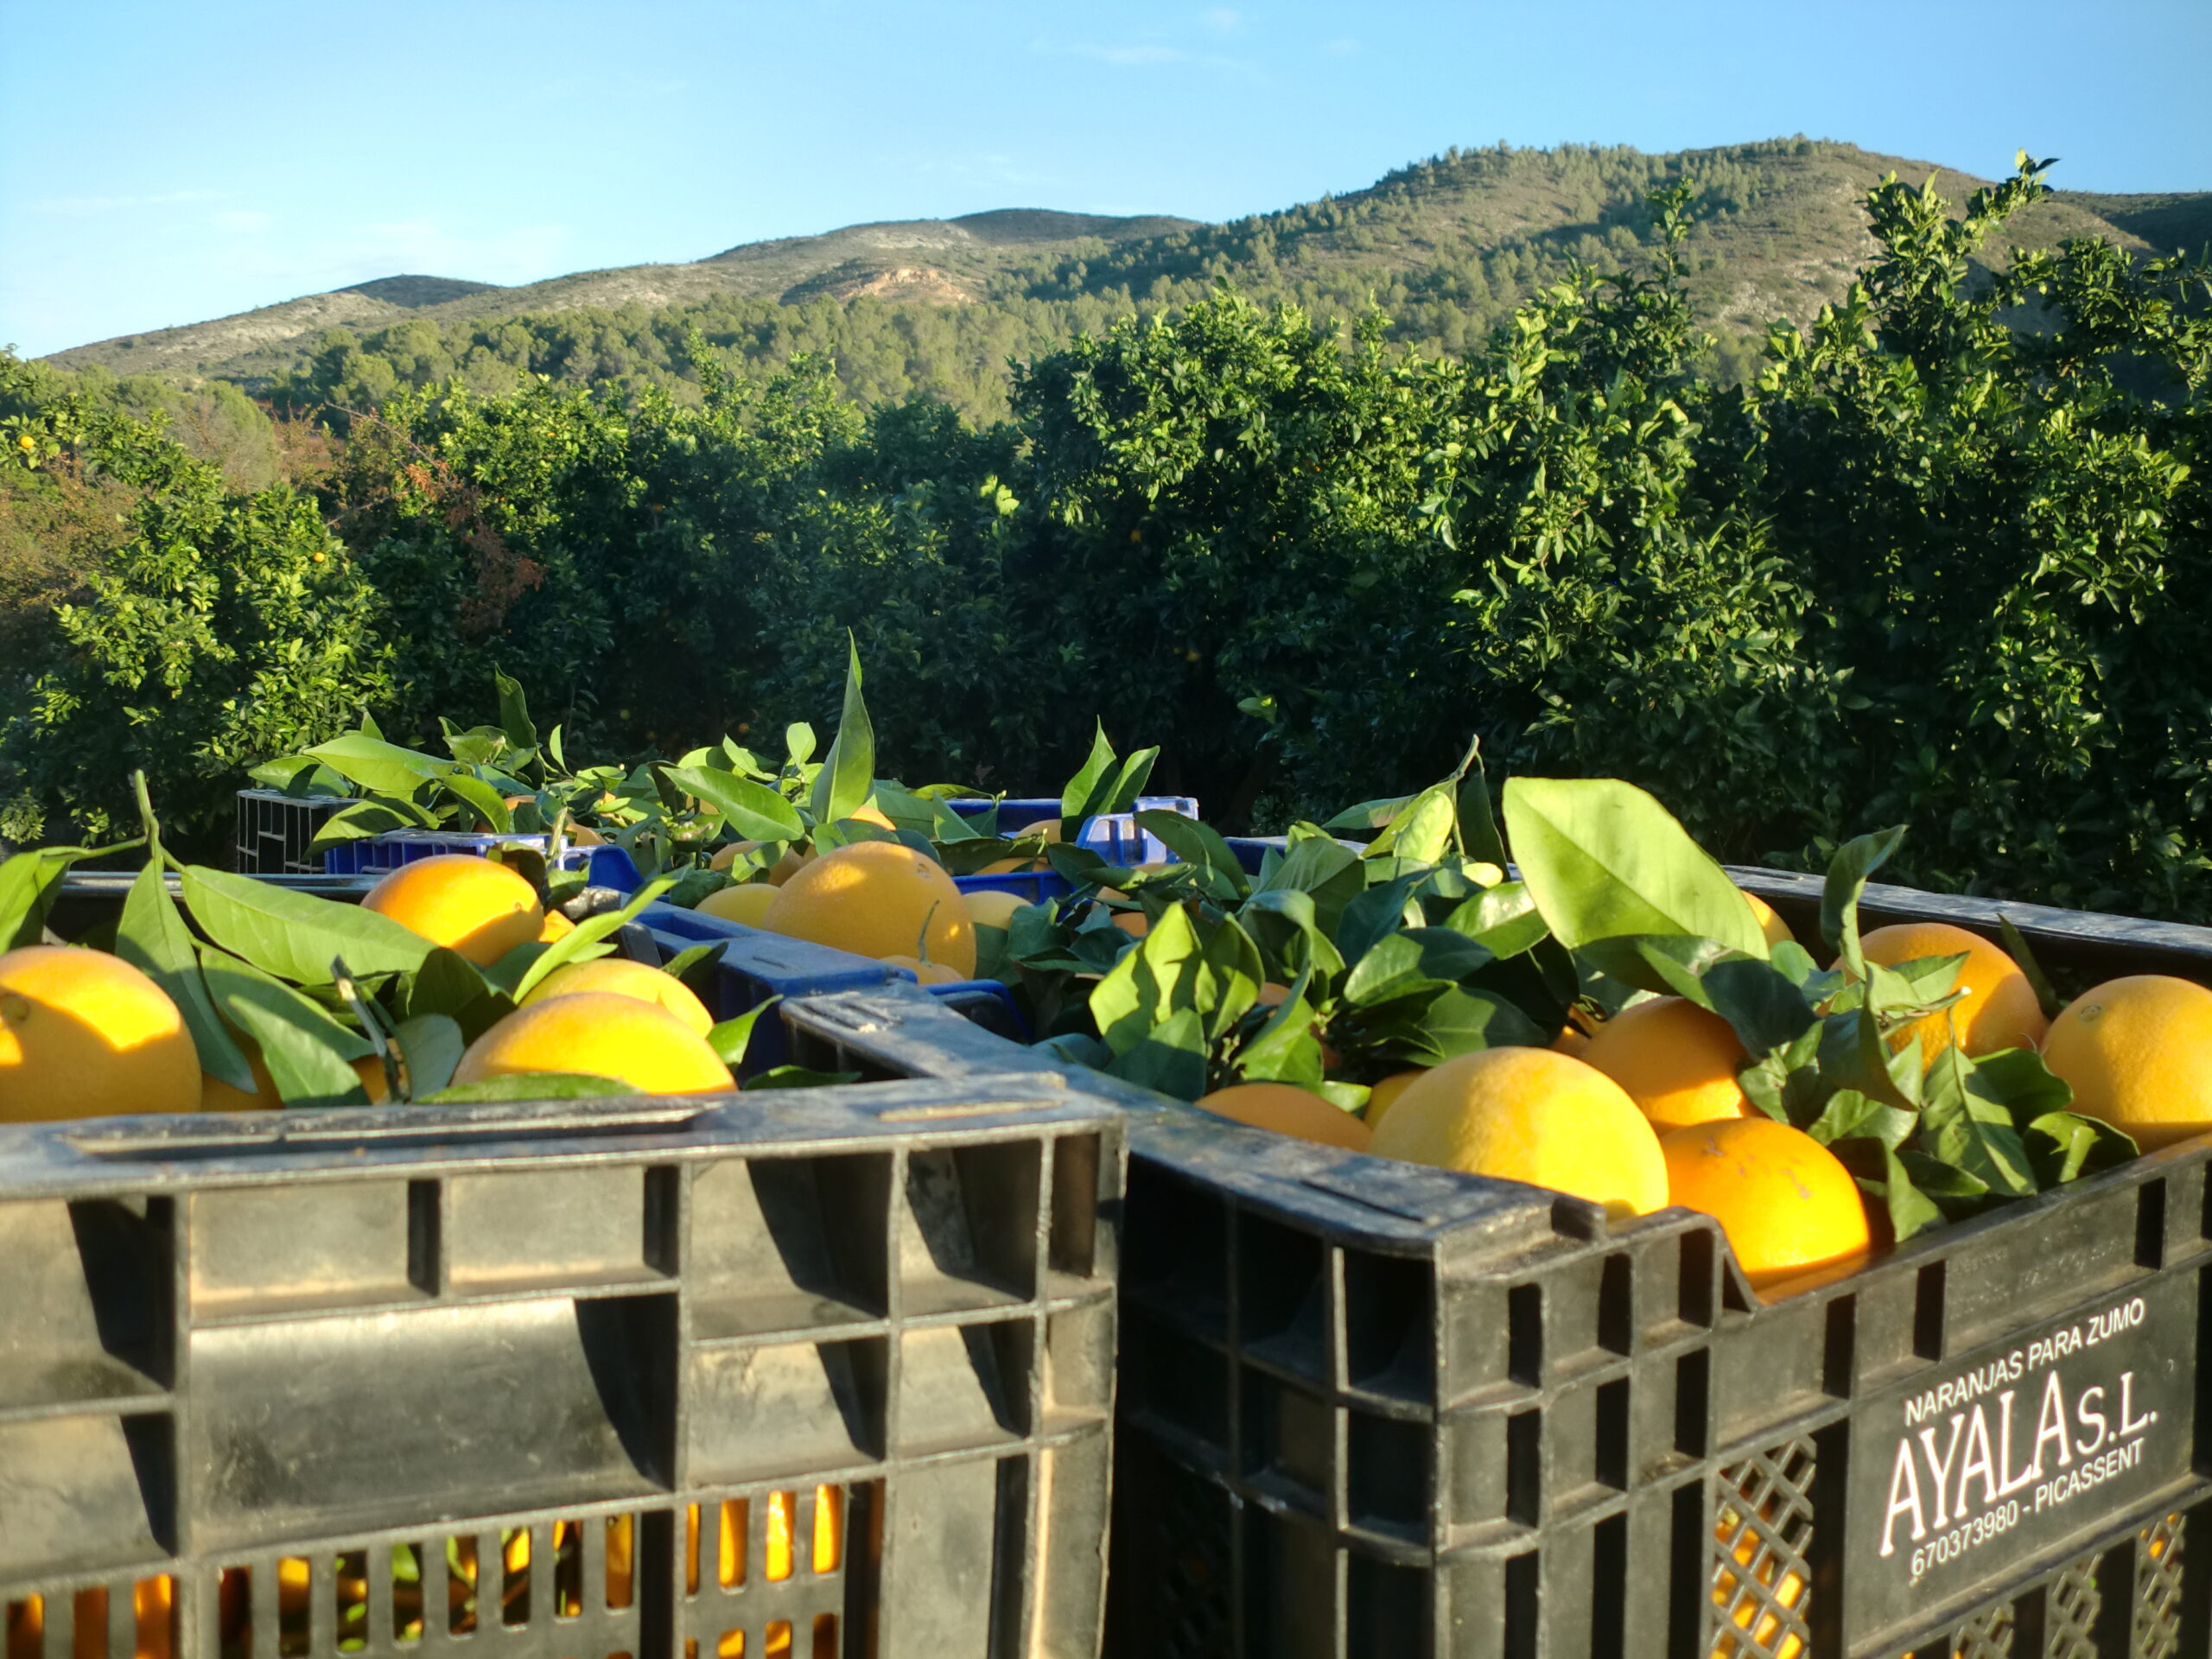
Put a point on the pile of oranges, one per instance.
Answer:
(1646, 1110)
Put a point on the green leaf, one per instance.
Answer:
(375, 765)
(729, 1038)
(1851, 1115)
(1286, 924)
(1369, 814)
(153, 938)
(1478, 828)
(536, 1085)
(514, 712)
(1966, 1130)
(1911, 1212)
(295, 935)
(1374, 915)
(1423, 829)
(1087, 784)
(306, 1050)
(1456, 1022)
(1234, 966)
(1504, 920)
(2016, 946)
(798, 1076)
(847, 776)
(1195, 843)
(2065, 1145)
(798, 743)
(1848, 870)
(432, 1045)
(576, 944)
(487, 803)
(376, 817)
(1285, 1048)
(29, 883)
(1159, 978)
(1602, 858)
(1418, 959)
(1170, 1057)
(754, 810)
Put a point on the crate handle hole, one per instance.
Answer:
(514, 1576)
(409, 1594)
(736, 1526)
(460, 1564)
(828, 1531)
(621, 1561)
(351, 1592)
(26, 1629)
(568, 1569)
(781, 1542)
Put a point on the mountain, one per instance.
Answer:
(1445, 247)
(956, 254)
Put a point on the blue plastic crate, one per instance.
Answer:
(604, 867)
(1030, 887)
(1114, 837)
(756, 964)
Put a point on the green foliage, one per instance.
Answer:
(1935, 564)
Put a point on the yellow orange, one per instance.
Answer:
(1785, 1201)
(989, 908)
(1677, 1062)
(788, 865)
(1530, 1115)
(1287, 1109)
(621, 977)
(556, 925)
(1999, 1009)
(1386, 1094)
(873, 899)
(1042, 830)
(1010, 866)
(86, 1035)
(1777, 931)
(2138, 1052)
(744, 906)
(474, 905)
(598, 1034)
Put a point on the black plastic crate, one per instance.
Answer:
(275, 830)
(822, 1372)
(1371, 1408)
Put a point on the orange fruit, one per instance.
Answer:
(1011, 865)
(638, 1044)
(929, 973)
(1785, 1201)
(744, 906)
(871, 813)
(619, 977)
(2138, 1052)
(1999, 1010)
(480, 908)
(556, 925)
(1287, 1109)
(781, 871)
(1753, 1609)
(873, 899)
(582, 834)
(1386, 1094)
(1677, 1062)
(86, 1035)
(1777, 931)
(988, 907)
(1530, 1115)
(1042, 830)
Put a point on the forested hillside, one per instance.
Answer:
(1926, 565)
(1446, 249)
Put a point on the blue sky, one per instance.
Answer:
(166, 163)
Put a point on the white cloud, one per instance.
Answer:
(85, 206)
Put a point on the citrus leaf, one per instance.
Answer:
(1971, 1133)
(1373, 916)
(1456, 1022)
(1197, 843)
(848, 776)
(729, 1038)
(1911, 1212)
(1851, 1115)
(152, 937)
(1478, 828)
(2065, 1145)
(754, 810)
(294, 935)
(1848, 872)
(1233, 962)
(305, 1049)
(432, 1046)
(376, 765)
(576, 944)
(1603, 858)
(1170, 1057)
(1418, 959)
(2016, 946)
(514, 712)
(1148, 984)
(1422, 829)
(1504, 920)
(489, 806)
(377, 817)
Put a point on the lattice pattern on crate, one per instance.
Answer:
(2158, 1588)
(765, 1575)
(2070, 1606)
(1762, 1533)
(1989, 1636)
(137, 1618)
